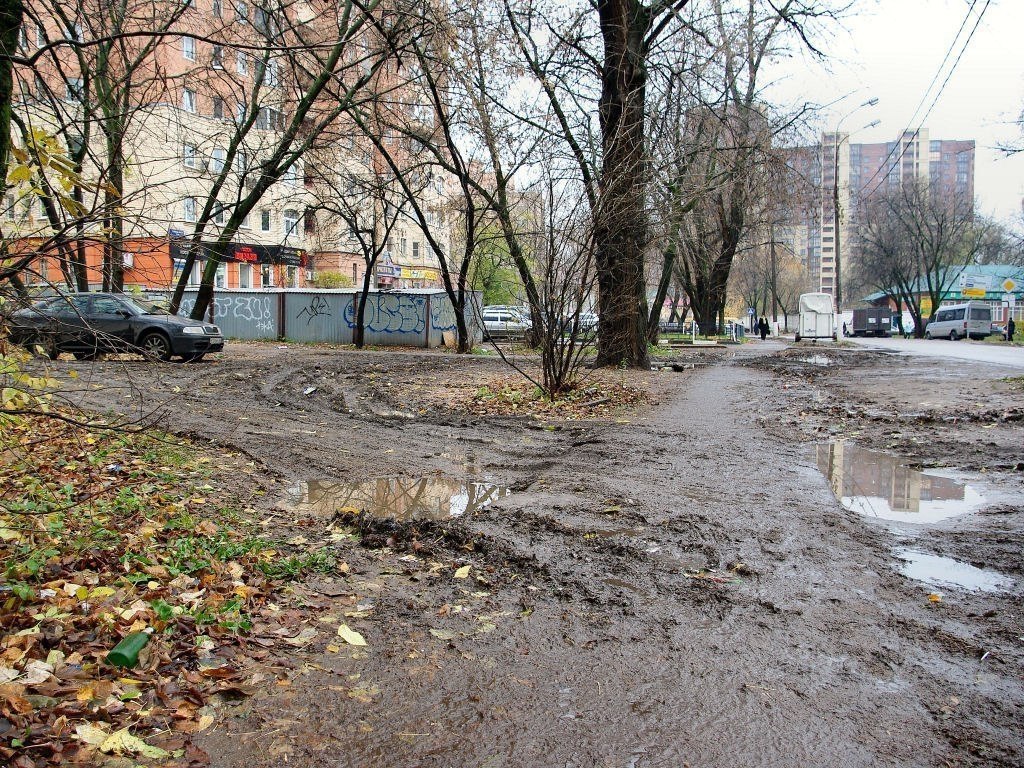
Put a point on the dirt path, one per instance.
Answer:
(681, 589)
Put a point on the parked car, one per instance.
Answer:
(503, 323)
(957, 321)
(90, 324)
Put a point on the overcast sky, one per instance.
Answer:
(891, 49)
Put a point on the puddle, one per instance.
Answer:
(821, 360)
(883, 486)
(933, 569)
(399, 498)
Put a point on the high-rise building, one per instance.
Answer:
(839, 171)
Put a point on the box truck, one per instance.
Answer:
(817, 317)
(876, 321)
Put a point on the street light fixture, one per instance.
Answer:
(836, 210)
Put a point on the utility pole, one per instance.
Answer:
(775, 275)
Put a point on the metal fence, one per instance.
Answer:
(423, 317)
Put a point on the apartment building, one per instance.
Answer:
(839, 171)
(211, 98)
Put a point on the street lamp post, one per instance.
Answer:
(836, 209)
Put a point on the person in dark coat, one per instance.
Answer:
(762, 326)
(1011, 328)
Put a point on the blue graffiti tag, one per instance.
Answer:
(390, 314)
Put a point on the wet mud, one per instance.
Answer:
(676, 584)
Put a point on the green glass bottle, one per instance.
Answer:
(126, 653)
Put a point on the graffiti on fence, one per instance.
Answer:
(442, 316)
(317, 306)
(258, 310)
(390, 314)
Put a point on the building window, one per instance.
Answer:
(267, 275)
(245, 275)
(292, 277)
(218, 107)
(245, 222)
(265, 220)
(309, 221)
(355, 275)
(74, 32)
(218, 9)
(291, 222)
(188, 100)
(196, 275)
(241, 12)
(242, 62)
(40, 36)
(218, 57)
(217, 158)
(188, 156)
(188, 48)
(291, 173)
(73, 89)
(189, 205)
(415, 250)
(220, 214)
(239, 112)
(221, 275)
(269, 119)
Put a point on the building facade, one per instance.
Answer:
(198, 122)
(839, 171)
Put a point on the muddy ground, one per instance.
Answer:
(673, 584)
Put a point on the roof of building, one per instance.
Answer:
(987, 276)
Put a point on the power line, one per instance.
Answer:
(903, 145)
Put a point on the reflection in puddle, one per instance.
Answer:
(933, 569)
(879, 485)
(400, 498)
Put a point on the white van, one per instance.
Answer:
(817, 317)
(957, 321)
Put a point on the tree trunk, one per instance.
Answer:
(620, 227)
(11, 13)
(359, 332)
(667, 263)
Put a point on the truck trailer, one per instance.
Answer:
(875, 321)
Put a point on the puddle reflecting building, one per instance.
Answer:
(880, 485)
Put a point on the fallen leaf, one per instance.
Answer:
(90, 734)
(463, 572)
(350, 636)
(122, 742)
(444, 634)
(935, 597)
(36, 672)
(305, 637)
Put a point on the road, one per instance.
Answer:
(974, 351)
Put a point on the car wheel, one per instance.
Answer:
(953, 336)
(797, 337)
(928, 335)
(195, 357)
(155, 346)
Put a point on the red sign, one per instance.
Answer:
(245, 253)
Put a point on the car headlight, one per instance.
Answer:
(193, 330)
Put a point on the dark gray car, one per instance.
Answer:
(89, 324)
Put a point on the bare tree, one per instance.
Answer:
(913, 243)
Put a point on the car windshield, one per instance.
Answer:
(143, 306)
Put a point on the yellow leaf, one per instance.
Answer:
(935, 597)
(463, 572)
(90, 734)
(121, 742)
(101, 592)
(350, 636)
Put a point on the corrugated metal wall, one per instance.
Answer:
(391, 318)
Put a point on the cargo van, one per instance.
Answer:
(956, 321)
(817, 317)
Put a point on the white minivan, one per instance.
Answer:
(957, 321)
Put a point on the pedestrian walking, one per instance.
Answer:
(762, 326)
(1011, 328)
